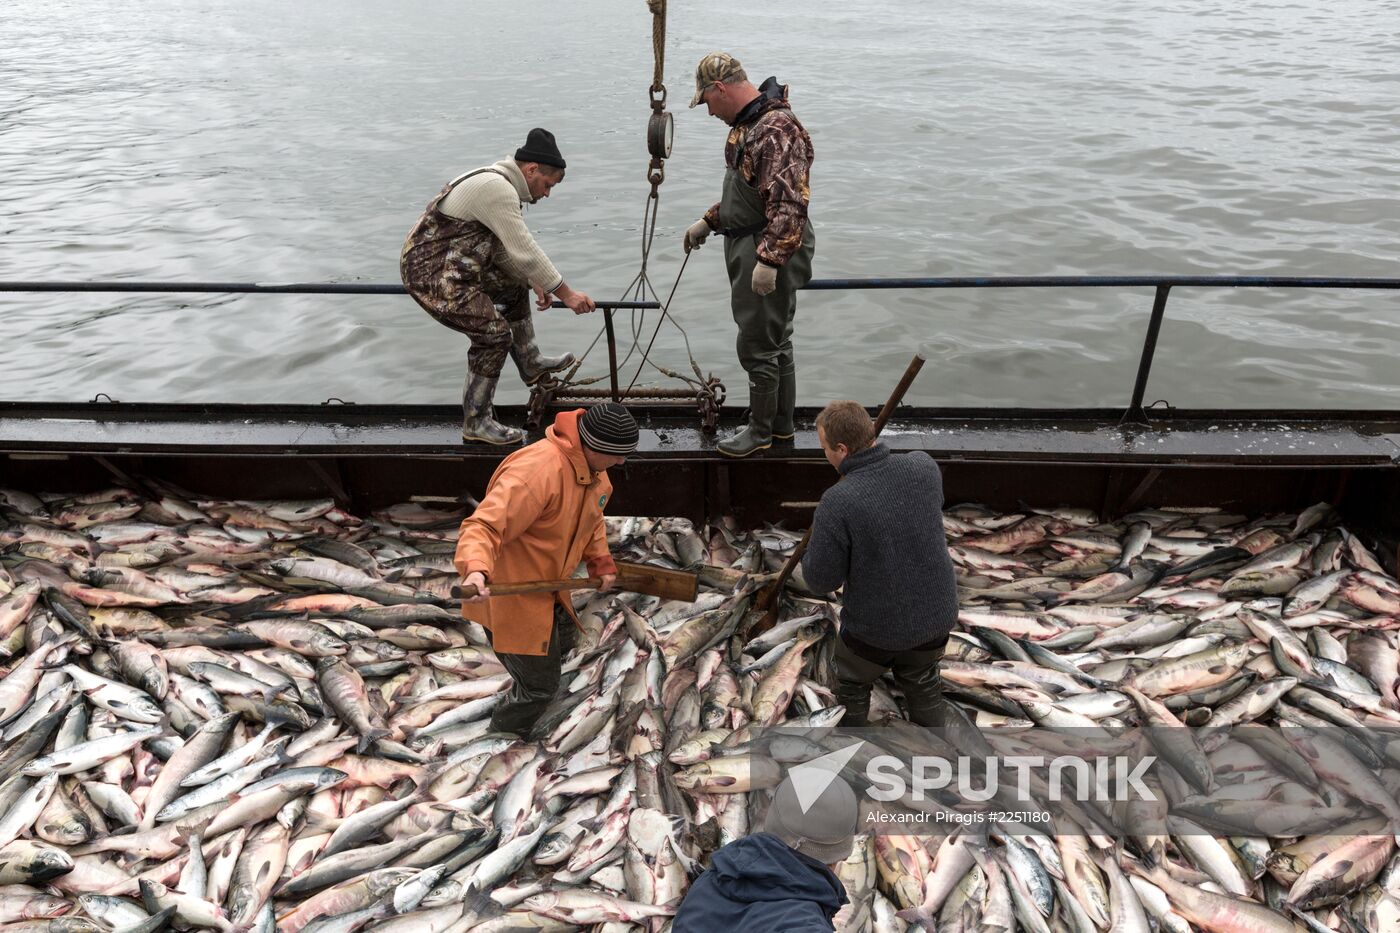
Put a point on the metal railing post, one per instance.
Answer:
(1135, 414)
(612, 354)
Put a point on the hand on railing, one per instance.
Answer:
(577, 302)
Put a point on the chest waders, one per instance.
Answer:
(765, 321)
(454, 269)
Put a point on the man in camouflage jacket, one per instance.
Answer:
(768, 240)
(470, 262)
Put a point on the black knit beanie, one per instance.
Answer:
(609, 429)
(540, 147)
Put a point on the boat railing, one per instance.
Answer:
(1134, 414)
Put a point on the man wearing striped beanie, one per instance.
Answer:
(541, 517)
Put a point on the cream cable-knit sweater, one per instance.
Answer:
(494, 198)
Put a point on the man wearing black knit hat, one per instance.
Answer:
(471, 262)
(541, 517)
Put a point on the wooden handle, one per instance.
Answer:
(467, 591)
(910, 373)
(634, 578)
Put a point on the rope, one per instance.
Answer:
(666, 316)
(641, 286)
(658, 42)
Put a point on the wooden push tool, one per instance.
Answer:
(633, 578)
(770, 598)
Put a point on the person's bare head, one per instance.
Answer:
(844, 428)
(723, 86)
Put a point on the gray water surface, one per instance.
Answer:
(273, 142)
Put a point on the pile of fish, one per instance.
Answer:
(1258, 657)
(251, 715)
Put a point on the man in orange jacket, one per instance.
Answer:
(542, 515)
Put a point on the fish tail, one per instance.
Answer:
(920, 916)
(369, 738)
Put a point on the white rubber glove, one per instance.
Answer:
(765, 279)
(695, 234)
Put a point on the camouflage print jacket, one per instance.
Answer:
(774, 154)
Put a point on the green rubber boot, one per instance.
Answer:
(758, 434)
(783, 427)
(479, 422)
(533, 365)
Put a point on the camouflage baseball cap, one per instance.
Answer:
(717, 66)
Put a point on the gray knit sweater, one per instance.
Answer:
(879, 532)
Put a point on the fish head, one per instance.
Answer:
(94, 576)
(328, 643)
(47, 863)
(543, 901)
(73, 832)
(385, 880)
(328, 777)
(46, 905)
(445, 893)
(73, 925)
(830, 716)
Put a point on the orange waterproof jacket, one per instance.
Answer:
(542, 515)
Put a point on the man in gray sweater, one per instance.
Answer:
(879, 534)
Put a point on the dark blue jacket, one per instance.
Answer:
(759, 885)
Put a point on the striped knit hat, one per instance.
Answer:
(609, 428)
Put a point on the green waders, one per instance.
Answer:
(534, 680)
(915, 671)
(765, 321)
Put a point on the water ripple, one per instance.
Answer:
(260, 141)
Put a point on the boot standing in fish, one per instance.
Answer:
(874, 532)
(768, 240)
(541, 516)
(471, 262)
